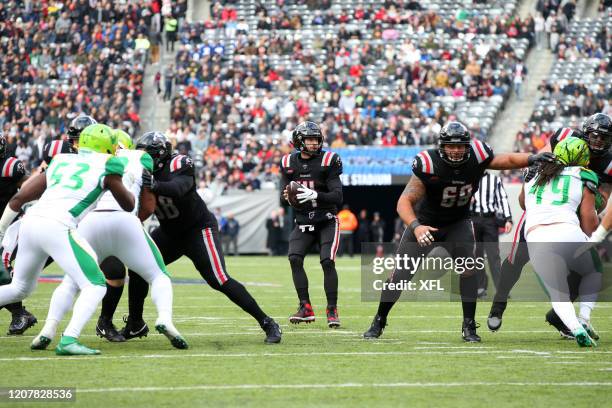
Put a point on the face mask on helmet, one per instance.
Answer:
(307, 138)
(158, 146)
(597, 130)
(76, 127)
(454, 144)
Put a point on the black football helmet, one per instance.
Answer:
(77, 125)
(2, 144)
(597, 132)
(305, 130)
(158, 146)
(454, 133)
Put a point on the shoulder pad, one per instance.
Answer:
(179, 162)
(587, 175)
(286, 161)
(328, 159)
(423, 163)
(12, 167)
(561, 134)
(608, 169)
(482, 151)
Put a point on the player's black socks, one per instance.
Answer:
(14, 307)
(330, 281)
(384, 308)
(110, 301)
(300, 280)
(138, 289)
(468, 286)
(238, 294)
(510, 274)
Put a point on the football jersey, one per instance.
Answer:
(558, 200)
(135, 162)
(177, 214)
(75, 183)
(12, 171)
(315, 173)
(449, 189)
(54, 148)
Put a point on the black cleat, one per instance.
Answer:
(469, 331)
(494, 321)
(273, 331)
(333, 321)
(106, 329)
(303, 314)
(555, 321)
(21, 321)
(133, 329)
(377, 328)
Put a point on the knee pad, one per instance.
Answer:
(296, 261)
(113, 268)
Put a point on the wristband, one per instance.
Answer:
(414, 224)
(599, 234)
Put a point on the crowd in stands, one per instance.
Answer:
(580, 82)
(59, 59)
(382, 73)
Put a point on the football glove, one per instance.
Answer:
(147, 180)
(546, 157)
(306, 194)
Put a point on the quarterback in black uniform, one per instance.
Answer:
(444, 182)
(597, 132)
(61, 146)
(12, 175)
(187, 228)
(319, 172)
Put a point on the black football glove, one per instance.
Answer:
(546, 157)
(147, 180)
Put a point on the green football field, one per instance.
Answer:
(420, 360)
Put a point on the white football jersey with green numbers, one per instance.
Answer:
(75, 183)
(559, 199)
(135, 161)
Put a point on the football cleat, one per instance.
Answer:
(40, 342)
(69, 346)
(554, 320)
(21, 321)
(376, 328)
(303, 314)
(133, 329)
(583, 339)
(168, 330)
(106, 329)
(494, 321)
(273, 331)
(333, 321)
(589, 329)
(469, 331)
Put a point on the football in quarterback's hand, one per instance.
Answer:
(292, 192)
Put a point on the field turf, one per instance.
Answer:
(420, 360)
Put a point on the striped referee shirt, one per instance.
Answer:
(491, 198)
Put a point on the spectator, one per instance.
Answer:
(170, 27)
(364, 233)
(168, 80)
(273, 226)
(230, 234)
(348, 225)
(378, 228)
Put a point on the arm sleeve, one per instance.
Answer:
(490, 155)
(502, 199)
(176, 187)
(334, 184)
(283, 183)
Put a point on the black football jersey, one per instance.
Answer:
(178, 213)
(54, 148)
(12, 172)
(448, 189)
(320, 173)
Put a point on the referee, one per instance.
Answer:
(489, 202)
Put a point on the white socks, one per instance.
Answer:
(161, 293)
(565, 310)
(84, 308)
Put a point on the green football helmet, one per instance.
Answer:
(98, 138)
(572, 151)
(124, 140)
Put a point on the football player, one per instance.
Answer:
(118, 235)
(12, 176)
(68, 190)
(187, 228)
(61, 146)
(597, 132)
(444, 182)
(318, 171)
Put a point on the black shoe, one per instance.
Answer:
(555, 321)
(133, 329)
(106, 329)
(469, 331)
(377, 328)
(495, 315)
(21, 321)
(303, 314)
(273, 331)
(333, 321)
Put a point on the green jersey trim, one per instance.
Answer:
(147, 161)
